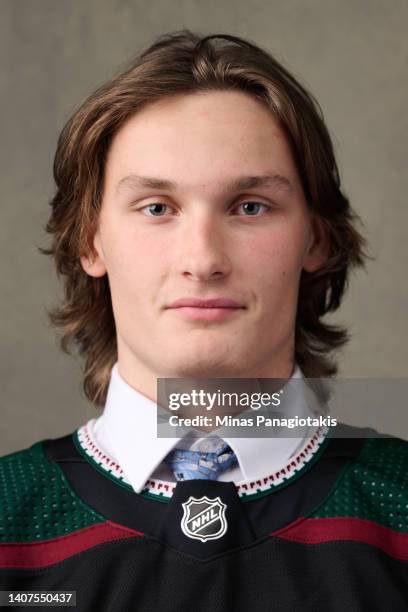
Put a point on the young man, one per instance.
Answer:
(201, 232)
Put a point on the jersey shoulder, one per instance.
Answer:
(36, 501)
(373, 486)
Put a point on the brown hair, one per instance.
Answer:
(183, 62)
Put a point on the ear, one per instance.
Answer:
(94, 263)
(318, 249)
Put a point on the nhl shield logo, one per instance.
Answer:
(204, 518)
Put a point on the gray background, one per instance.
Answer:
(351, 54)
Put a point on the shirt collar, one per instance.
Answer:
(127, 429)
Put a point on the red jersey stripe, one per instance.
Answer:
(47, 552)
(319, 530)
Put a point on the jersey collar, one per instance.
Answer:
(126, 431)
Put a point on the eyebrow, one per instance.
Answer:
(237, 184)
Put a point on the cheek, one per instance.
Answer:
(277, 256)
(135, 264)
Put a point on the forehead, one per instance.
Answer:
(194, 138)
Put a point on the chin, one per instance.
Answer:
(206, 368)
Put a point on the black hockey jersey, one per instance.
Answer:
(330, 534)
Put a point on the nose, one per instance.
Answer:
(203, 249)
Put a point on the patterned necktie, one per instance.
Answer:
(191, 465)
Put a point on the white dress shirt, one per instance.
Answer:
(126, 431)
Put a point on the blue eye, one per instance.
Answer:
(252, 208)
(157, 209)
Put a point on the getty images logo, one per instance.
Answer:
(204, 518)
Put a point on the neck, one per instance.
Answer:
(140, 377)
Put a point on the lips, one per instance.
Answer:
(205, 303)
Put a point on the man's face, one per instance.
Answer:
(203, 236)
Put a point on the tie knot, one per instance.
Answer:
(197, 464)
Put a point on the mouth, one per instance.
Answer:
(215, 309)
(207, 313)
(219, 302)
